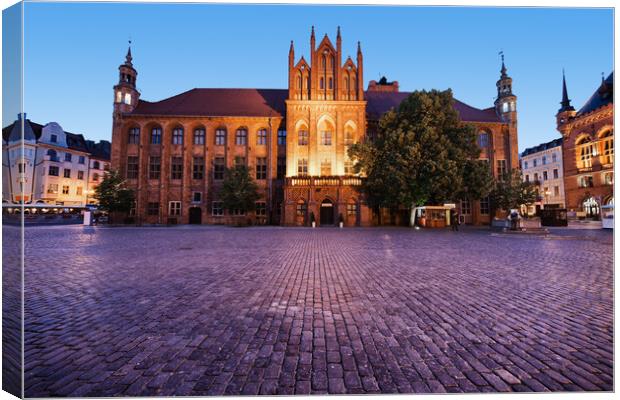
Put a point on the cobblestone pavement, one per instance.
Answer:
(218, 310)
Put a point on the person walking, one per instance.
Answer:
(454, 220)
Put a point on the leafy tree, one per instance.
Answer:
(113, 195)
(239, 191)
(512, 192)
(422, 154)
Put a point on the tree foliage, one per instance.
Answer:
(512, 192)
(239, 190)
(112, 193)
(422, 154)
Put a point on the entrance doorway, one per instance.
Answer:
(591, 207)
(195, 215)
(327, 212)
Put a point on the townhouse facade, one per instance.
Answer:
(543, 166)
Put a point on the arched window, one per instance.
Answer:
(298, 81)
(302, 136)
(326, 130)
(584, 153)
(322, 84)
(331, 83)
(483, 139)
(199, 136)
(261, 137)
(220, 136)
(134, 136)
(241, 137)
(607, 147)
(348, 136)
(156, 135)
(177, 136)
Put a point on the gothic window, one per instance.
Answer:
(199, 136)
(331, 83)
(607, 152)
(321, 83)
(220, 137)
(326, 138)
(177, 136)
(134, 136)
(261, 137)
(302, 167)
(584, 153)
(302, 136)
(483, 139)
(348, 137)
(326, 167)
(156, 135)
(241, 137)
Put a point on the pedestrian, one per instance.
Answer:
(514, 219)
(454, 220)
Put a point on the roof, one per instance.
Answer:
(100, 150)
(17, 134)
(219, 103)
(602, 96)
(271, 103)
(542, 147)
(74, 141)
(381, 102)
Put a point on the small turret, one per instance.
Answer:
(506, 102)
(566, 112)
(125, 93)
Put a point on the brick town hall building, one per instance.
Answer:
(174, 152)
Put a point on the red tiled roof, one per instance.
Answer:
(381, 102)
(271, 103)
(219, 103)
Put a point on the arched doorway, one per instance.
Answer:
(195, 215)
(327, 212)
(591, 207)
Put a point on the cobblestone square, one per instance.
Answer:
(268, 310)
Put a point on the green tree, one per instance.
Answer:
(239, 191)
(512, 192)
(113, 194)
(422, 154)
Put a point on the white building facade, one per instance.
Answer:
(542, 165)
(46, 165)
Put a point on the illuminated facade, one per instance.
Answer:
(173, 152)
(588, 150)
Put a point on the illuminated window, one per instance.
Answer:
(220, 137)
(199, 136)
(241, 137)
(127, 98)
(351, 209)
(119, 97)
(65, 189)
(348, 167)
(177, 136)
(608, 148)
(302, 136)
(52, 188)
(348, 138)
(326, 138)
(584, 153)
(302, 167)
(326, 168)
(301, 208)
(156, 136)
(261, 137)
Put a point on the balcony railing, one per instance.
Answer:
(323, 181)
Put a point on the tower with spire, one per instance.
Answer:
(566, 111)
(126, 94)
(506, 101)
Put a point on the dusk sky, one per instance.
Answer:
(72, 53)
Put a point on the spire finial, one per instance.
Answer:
(602, 77)
(565, 100)
(128, 57)
(503, 70)
(338, 33)
(312, 33)
(359, 47)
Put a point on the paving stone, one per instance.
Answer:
(265, 310)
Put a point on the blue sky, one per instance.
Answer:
(72, 52)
